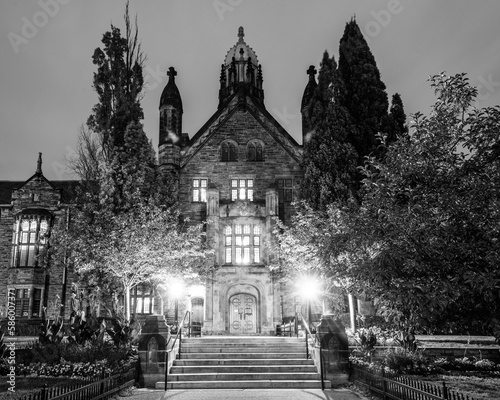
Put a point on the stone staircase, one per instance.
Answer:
(242, 362)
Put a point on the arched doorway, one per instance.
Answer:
(242, 314)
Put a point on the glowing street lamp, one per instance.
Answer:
(176, 290)
(309, 288)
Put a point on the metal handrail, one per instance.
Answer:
(308, 332)
(177, 336)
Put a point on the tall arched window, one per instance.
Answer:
(228, 151)
(31, 230)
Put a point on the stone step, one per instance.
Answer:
(253, 384)
(241, 355)
(286, 345)
(216, 349)
(243, 361)
(244, 339)
(242, 369)
(247, 362)
(301, 376)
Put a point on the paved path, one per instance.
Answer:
(246, 394)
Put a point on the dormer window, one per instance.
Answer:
(255, 151)
(29, 238)
(228, 151)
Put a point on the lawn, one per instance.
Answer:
(33, 384)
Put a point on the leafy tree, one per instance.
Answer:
(118, 251)
(425, 240)
(125, 225)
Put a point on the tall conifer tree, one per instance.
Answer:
(329, 160)
(364, 94)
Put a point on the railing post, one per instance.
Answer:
(296, 327)
(307, 346)
(321, 368)
(189, 331)
(445, 391)
(166, 368)
(384, 384)
(180, 342)
(103, 375)
(45, 392)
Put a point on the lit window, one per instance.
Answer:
(244, 242)
(29, 239)
(241, 189)
(142, 299)
(200, 190)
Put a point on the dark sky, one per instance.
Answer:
(46, 49)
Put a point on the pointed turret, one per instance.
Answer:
(306, 99)
(241, 72)
(170, 111)
(170, 122)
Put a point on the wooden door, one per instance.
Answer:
(243, 318)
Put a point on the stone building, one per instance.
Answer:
(237, 173)
(27, 211)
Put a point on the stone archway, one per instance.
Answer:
(243, 303)
(242, 314)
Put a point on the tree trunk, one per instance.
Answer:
(127, 302)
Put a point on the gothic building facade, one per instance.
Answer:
(239, 172)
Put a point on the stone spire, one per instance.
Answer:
(39, 165)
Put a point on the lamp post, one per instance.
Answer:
(309, 289)
(176, 289)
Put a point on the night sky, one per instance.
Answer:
(46, 52)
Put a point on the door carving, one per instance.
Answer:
(242, 314)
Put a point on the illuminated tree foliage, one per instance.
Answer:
(424, 243)
(125, 227)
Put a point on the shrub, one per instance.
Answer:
(403, 361)
(65, 368)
